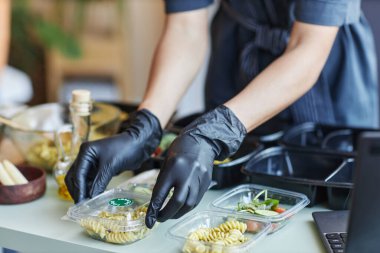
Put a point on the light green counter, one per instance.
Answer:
(37, 227)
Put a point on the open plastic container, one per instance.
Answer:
(256, 229)
(292, 202)
(315, 174)
(115, 216)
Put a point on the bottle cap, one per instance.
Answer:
(81, 96)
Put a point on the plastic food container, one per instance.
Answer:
(202, 221)
(292, 202)
(323, 138)
(317, 175)
(116, 216)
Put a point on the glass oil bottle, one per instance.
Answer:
(70, 137)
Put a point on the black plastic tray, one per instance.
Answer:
(340, 185)
(317, 137)
(320, 176)
(268, 133)
(226, 174)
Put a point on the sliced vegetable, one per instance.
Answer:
(266, 212)
(227, 160)
(266, 207)
(279, 209)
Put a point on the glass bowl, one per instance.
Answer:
(37, 145)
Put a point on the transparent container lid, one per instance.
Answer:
(290, 202)
(255, 229)
(116, 216)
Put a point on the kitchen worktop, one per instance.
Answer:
(37, 227)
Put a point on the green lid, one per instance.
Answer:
(121, 202)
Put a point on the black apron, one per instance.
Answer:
(246, 37)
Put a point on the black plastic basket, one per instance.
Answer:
(318, 137)
(320, 176)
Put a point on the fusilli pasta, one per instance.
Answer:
(228, 233)
(109, 227)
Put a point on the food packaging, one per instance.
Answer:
(292, 202)
(116, 216)
(256, 229)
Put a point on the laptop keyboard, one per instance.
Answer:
(337, 241)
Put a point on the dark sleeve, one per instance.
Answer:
(172, 6)
(327, 12)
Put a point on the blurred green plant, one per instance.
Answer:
(29, 29)
(30, 36)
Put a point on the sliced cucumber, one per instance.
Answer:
(266, 212)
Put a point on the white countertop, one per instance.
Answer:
(37, 227)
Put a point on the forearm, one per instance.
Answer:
(282, 82)
(4, 32)
(178, 58)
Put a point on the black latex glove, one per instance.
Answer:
(98, 161)
(188, 166)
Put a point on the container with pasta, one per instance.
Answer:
(116, 216)
(218, 232)
(274, 205)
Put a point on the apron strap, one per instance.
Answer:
(271, 39)
(316, 105)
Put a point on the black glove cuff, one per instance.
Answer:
(221, 129)
(146, 125)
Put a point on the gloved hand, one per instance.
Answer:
(188, 166)
(98, 161)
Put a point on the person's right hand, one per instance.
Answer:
(188, 166)
(98, 161)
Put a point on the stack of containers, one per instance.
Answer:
(314, 159)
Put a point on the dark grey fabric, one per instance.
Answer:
(371, 8)
(172, 6)
(327, 12)
(250, 34)
(345, 93)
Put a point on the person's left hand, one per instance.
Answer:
(188, 166)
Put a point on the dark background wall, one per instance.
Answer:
(371, 9)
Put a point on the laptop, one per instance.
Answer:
(357, 230)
